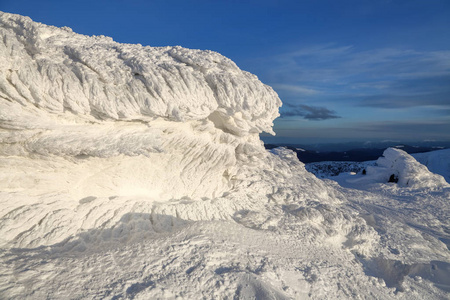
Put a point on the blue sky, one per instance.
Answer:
(347, 70)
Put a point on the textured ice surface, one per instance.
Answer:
(57, 71)
(132, 172)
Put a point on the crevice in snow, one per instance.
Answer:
(217, 119)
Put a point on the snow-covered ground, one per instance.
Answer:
(131, 172)
(436, 161)
(327, 169)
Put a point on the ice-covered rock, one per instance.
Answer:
(398, 164)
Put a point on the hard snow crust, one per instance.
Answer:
(131, 172)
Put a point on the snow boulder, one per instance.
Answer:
(399, 167)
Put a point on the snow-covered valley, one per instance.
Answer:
(131, 172)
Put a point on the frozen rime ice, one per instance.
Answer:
(69, 95)
(131, 172)
(57, 71)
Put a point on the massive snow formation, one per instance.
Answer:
(58, 71)
(93, 129)
(69, 95)
(137, 172)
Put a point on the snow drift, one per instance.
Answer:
(138, 172)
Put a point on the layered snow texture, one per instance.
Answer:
(70, 95)
(55, 70)
(130, 172)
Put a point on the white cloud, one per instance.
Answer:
(300, 90)
(384, 77)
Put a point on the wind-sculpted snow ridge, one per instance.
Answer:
(109, 119)
(58, 71)
(93, 130)
(130, 172)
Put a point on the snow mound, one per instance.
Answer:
(399, 165)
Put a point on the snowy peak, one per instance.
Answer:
(57, 70)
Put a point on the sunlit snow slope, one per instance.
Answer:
(131, 172)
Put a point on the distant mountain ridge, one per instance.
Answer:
(310, 155)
